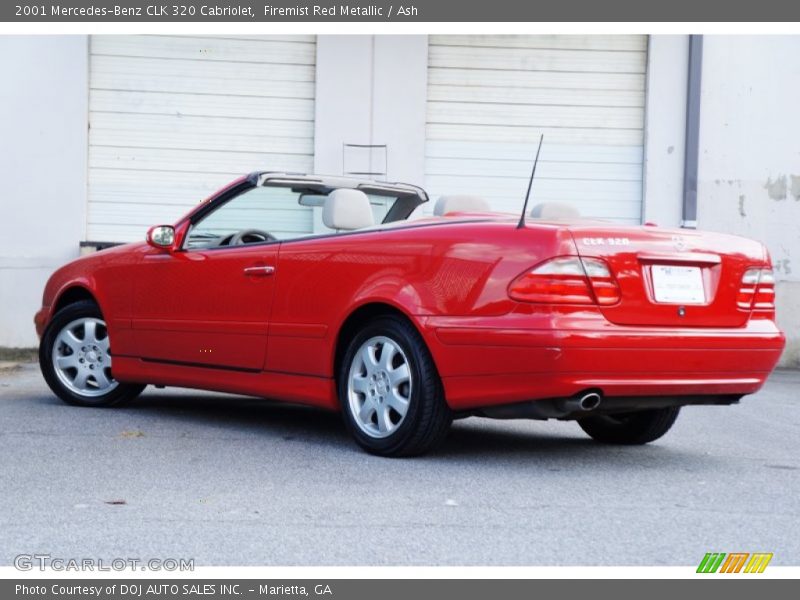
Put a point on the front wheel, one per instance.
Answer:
(75, 359)
(639, 427)
(390, 391)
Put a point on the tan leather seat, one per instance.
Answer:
(460, 203)
(554, 211)
(346, 210)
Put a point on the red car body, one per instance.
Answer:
(194, 318)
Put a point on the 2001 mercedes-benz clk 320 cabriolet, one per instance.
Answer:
(404, 325)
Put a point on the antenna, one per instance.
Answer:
(521, 223)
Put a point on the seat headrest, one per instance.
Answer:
(554, 210)
(347, 209)
(463, 203)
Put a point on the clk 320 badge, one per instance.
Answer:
(611, 241)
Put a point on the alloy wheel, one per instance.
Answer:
(379, 387)
(81, 358)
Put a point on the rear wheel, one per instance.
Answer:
(75, 359)
(390, 392)
(632, 428)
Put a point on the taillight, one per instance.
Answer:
(757, 290)
(567, 280)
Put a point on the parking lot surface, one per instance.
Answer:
(227, 480)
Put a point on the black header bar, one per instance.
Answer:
(321, 11)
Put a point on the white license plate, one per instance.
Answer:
(678, 285)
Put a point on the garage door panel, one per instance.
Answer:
(138, 203)
(193, 161)
(131, 126)
(133, 214)
(180, 200)
(127, 218)
(516, 186)
(169, 180)
(193, 76)
(514, 133)
(546, 169)
(145, 196)
(284, 220)
(173, 188)
(268, 51)
(181, 105)
(168, 187)
(491, 151)
(186, 138)
(537, 96)
(568, 42)
(174, 118)
(601, 117)
(491, 97)
(534, 79)
(523, 59)
(463, 76)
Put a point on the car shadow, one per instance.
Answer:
(494, 441)
(242, 414)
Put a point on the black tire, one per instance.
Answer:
(634, 428)
(123, 392)
(428, 417)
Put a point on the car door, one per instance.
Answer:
(208, 303)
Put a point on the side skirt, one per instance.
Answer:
(289, 387)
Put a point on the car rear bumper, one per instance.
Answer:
(486, 366)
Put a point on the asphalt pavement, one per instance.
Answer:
(227, 480)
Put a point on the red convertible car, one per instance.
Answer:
(320, 290)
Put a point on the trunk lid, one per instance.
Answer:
(672, 277)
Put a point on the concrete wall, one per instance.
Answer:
(43, 154)
(665, 128)
(749, 170)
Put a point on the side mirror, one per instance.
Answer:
(161, 236)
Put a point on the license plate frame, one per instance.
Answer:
(678, 284)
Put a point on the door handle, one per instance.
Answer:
(259, 271)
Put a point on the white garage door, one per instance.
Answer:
(489, 98)
(172, 119)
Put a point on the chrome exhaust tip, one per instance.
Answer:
(582, 402)
(590, 401)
